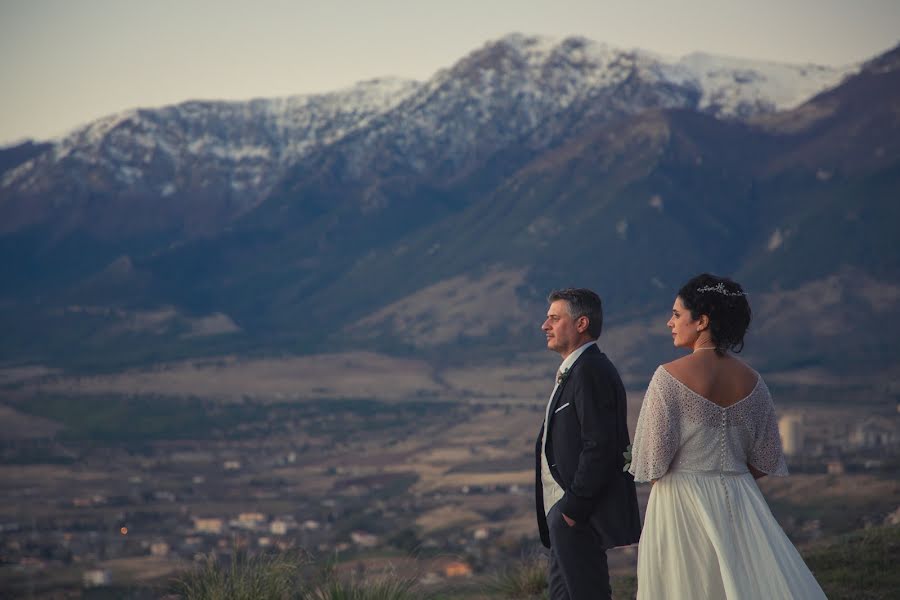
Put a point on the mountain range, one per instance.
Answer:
(433, 217)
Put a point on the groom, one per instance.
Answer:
(585, 502)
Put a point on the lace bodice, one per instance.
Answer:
(678, 429)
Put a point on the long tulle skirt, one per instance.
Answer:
(709, 536)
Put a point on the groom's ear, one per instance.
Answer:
(582, 323)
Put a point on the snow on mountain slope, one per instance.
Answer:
(740, 87)
(533, 91)
(728, 86)
(516, 90)
(256, 137)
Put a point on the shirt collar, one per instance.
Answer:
(570, 359)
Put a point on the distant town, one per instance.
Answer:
(449, 485)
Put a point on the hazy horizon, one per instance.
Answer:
(64, 64)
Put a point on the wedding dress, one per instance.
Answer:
(708, 532)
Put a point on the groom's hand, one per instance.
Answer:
(569, 521)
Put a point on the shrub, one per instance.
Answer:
(390, 587)
(525, 580)
(281, 577)
(246, 577)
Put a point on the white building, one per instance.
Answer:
(249, 520)
(875, 432)
(207, 525)
(251, 517)
(790, 428)
(365, 540)
(96, 577)
(278, 527)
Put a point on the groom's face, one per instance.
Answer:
(561, 329)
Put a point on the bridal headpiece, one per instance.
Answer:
(720, 289)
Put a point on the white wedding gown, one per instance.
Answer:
(708, 532)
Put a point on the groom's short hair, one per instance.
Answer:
(582, 302)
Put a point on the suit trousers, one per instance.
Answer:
(578, 567)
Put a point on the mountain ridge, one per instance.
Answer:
(480, 182)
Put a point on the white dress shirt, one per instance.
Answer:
(552, 491)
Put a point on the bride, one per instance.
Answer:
(707, 429)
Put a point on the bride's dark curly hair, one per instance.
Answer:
(725, 303)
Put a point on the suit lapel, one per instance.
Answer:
(554, 404)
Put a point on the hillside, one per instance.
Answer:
(397, 212)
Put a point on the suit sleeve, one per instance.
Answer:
(595, 403)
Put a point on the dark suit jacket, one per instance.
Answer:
(585, 443)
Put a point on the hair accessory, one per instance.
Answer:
(720, 288)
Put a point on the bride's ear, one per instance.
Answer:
(702, 323)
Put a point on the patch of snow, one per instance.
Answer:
(16, 173)
(775, 240)
(129, 175)
(213, 324)
(730, 83)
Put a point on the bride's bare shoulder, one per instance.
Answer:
(740, 368)
(679, 367)
(699, 373)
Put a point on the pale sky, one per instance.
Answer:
(66, 62)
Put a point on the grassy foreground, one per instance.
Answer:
(285, 577)
(858, 566)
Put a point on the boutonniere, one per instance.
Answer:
(562, 376)
(627, 455)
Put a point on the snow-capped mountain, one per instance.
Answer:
(728, 87)
(284, 218)
(203, 163)
(524, 94)
(233, 151)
